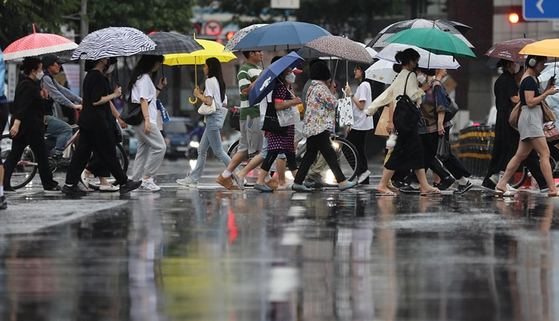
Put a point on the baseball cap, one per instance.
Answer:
(49, 60)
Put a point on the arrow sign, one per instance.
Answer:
(541, 9)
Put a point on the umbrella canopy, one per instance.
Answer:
(337, 46)
(266, 81)
(546, 48)
(210, 49)
(427, 60)
(456, 28)
(433, 40)
(113, 42)
(381, 71)
(285, 35)
(37, 44)
(508, 50)
(240, 34)
(550, 71)
(171, 43)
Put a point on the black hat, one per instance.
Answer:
(49, 60)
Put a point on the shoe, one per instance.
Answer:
(488, 184)
(309, 184)
(263, 188)
(348, 185)
(85, 180)
(317, 178)
(446, 182)
(3, 203)
(108, 188)
(129, 186)
(463, 188)
(238, 181)
(149, 185)
(300, 188)
(73, 190)
(10, 190)
(409, 190)
(60, 161)
(187, 182)
(272, 183)
(363, 176)
(398, 184)
(54, 190)
(226, 182)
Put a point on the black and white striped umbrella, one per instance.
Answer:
(172, 43)
(113, 42)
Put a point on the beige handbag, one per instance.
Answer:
(380, 130)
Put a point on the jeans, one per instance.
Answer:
(210, 138)
(60, 131)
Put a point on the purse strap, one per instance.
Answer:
(406, 84)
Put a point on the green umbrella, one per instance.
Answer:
(433, 40)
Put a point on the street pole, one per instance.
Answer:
(84, 30)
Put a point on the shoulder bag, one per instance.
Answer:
(208, 109)
(132, 113)
(271, 122)
(515, 115)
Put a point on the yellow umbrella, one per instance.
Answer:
(545, 48)
(211, 49)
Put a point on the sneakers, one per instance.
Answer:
(129, 186)
(348, 185)
(10, 190)
(85, 180)
(3, 203)
(226, 182)
(54, 190)
(300, 188)
(108, 188)
(238, 181)
(73, 190)
(363, 176)
(263, 188)
(272, 183)
(317, 178)
(187, 182)
(445, 183)
(149, 185)
(60, 161)
(463, 188)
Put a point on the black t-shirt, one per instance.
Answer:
(528, 84)
(94, 87)
(505, 87)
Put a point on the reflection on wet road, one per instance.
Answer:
(219, 255)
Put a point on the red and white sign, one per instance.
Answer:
(212, 28)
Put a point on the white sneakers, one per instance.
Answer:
(149, 185)
(187, 182)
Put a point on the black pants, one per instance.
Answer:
(98, 167)
(271, 158)
(359, 139)
(452, 163)
(102, 142)
(36, 140)
(319, 143)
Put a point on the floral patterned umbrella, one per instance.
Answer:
(240, 34)
(336, 46)
(508, 50)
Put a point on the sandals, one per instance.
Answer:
(508, 193)
(556, 194)
(389, 193)
(431, 192)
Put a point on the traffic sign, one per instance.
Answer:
(212, 28)
(541, 9)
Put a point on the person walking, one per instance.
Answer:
(4, 115)
(407, 154)
(95, 131)
(151, 144)
(362, 123)
(28, 126)
(211, 138)
(530, 126)
(319, 121)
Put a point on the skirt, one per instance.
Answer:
(407, 154)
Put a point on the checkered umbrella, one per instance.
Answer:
(172, 43)
(336, 46)
(240, 34)
(113, 42)
(456, 28)
(37, 44)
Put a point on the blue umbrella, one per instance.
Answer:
(285, 35)
(266, 81)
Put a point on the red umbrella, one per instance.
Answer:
(508, 50)
(38, 44)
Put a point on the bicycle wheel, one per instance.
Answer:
(347, 157)
(25, 169)
(519, 177)
(233, 148)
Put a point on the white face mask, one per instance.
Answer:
(421, 79)
(290, 78)
(40, 75)
(517, 68)
(111, 68)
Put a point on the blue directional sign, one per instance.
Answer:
(541, 9)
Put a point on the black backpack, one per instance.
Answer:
(406, 114)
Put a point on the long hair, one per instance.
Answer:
(144, 66)
(364, 67)
(214, 70)
(404, 58)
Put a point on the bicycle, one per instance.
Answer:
(27, 166)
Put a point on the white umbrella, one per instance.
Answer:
(427, 60)
(381, 71)
(113, 42)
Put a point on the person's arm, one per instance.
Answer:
(532, 101)
(58, 93)
(145, 111)
(280, 102)
(160, 86)
(116, 114)
(108, 98)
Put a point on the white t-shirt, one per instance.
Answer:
(212, 90)
(144, 88)
(360, 120)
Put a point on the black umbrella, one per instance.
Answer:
(172, 43)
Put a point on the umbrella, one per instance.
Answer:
(340, 47)
(508, 50)
(433, 40)
(171, 43)
(113, 42)
(210, 49)
(427, 60)
(37, 44)
(265, 82)
(285, 35)
(381, 71)
(550, 71)
(546, 48)
(456, 28)
(240, 34)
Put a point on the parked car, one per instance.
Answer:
(175, 132)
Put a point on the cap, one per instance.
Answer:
(49, 60)
(297, 71)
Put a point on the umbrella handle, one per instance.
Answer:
(192, 101)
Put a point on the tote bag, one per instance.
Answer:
(288, 117)
(380, 130)
(345, 111)
(271, 122)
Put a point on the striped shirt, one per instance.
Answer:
(247, 74)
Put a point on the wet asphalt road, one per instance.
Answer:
(212, 254)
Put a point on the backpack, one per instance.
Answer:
(406, 114)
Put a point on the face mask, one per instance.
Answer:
(40, 75)
(421, 79)
(517, 68)
(110, 69)
(290, 78)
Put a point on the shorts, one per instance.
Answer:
(251, 136)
